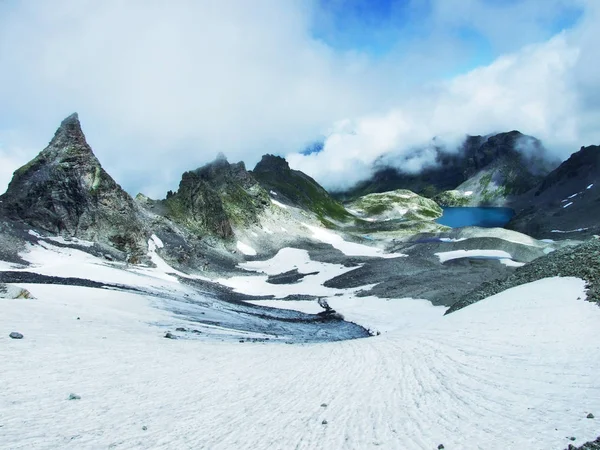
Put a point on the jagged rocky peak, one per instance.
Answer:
(64, 190)
(217, 197)
(272, 163)
(296, 188)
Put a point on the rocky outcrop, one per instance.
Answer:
(566, 203)
(582, 261)
(399, 204)
(453, 198)
(493, 168)
(216, 198)
(296, 188)
(65, 191)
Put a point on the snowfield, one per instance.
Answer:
(517, 370)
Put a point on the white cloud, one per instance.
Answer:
(162, 87)
(542, 90)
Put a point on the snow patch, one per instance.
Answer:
(468, 193)
(590, 186)
(157, 242)
(456, 254)
(273, 193)
(245, 249)
(348, 248)
(569, 231)
(567, 205)
(281, 205)
(511, 263)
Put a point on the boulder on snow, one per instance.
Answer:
(590, 416)
(74, 397)
(13, 292)
(16, 335)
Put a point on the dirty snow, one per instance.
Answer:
(517, 370)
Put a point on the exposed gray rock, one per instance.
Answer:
(582, 261)
(216, 197)
(74, 397)
(296, 188)
(567, 200)
(590, 416)
(290, 277)
(591, 445)
(65, 191)
(16, 335)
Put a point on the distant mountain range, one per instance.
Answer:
(490, 168)
(65, 191)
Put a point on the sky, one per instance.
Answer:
(163, 87)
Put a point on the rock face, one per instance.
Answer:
(492, 168)
(296, 188)
(564, 203)
(64, 190)
(217, 197)
(399, 204)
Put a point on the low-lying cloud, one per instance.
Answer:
(163, 87)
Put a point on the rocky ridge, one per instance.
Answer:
(493, 168)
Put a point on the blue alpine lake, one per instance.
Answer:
(487, 217)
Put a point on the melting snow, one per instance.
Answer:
(245, 249)
(348, 248)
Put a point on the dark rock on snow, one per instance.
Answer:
(16, 335)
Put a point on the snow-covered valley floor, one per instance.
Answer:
(518, 370)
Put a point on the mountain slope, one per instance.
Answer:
(297, 188)
(566, 201)
(64, 190)
(490, 168)
(217, 197)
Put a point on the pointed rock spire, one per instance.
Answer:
(65, 190)
(69, 132)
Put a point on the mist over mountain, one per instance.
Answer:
(519, 159)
